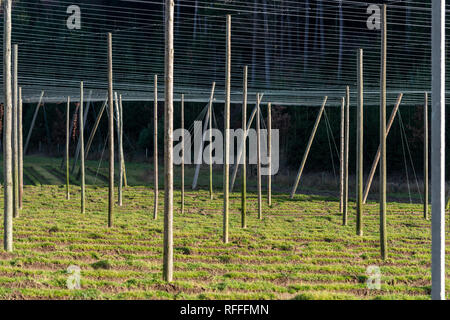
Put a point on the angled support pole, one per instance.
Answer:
(200, 154)
(240, 151)
(308, 148)
(377, 156)
(33, 123)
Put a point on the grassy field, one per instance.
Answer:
(300, 250)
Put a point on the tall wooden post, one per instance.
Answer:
(438, 152)
(346, 155)
(240, 151)
(308, 148)
(378, 155)
(360, 146)
(15, 133)
(182, 155)
(7, 131)
(341, 167)
(226, 167)
(425, 158)
(211, 196)
(269, 152)
(111, 133)
(20, 137)
(168, 144)
(244, 151)
(78, 150)
(67, 148)
(155, 148)
(83, 185)
(258, 154)
(123, 179)
(383, 233)
(119, 187)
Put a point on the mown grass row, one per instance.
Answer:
(299, 250)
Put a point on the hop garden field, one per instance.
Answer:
(300, 250)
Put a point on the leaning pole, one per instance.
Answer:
(438, 152)
(168, 144)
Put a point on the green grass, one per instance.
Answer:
(299, 250)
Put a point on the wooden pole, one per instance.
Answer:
(67, 149)
(269, 151)
(383, 233)
(244, 151)
(20, 133)
(226, 167)
(308, 148)
(378, 155)
(341, 168)
(241, 149)
(346, 155)
(182, 155)
(258, 155)
(360, 146)
(123, 178)
(155, 148)
(425, 159)
(83, 185)
(211, 196)
(15, 134)
(168, 144)
(7, 147)
(33, 121)
(205, 126)
(111, 134)
(77, 152)
(119, 187)
(438, 152)
(94, 129)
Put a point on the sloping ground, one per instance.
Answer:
(299, 250)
